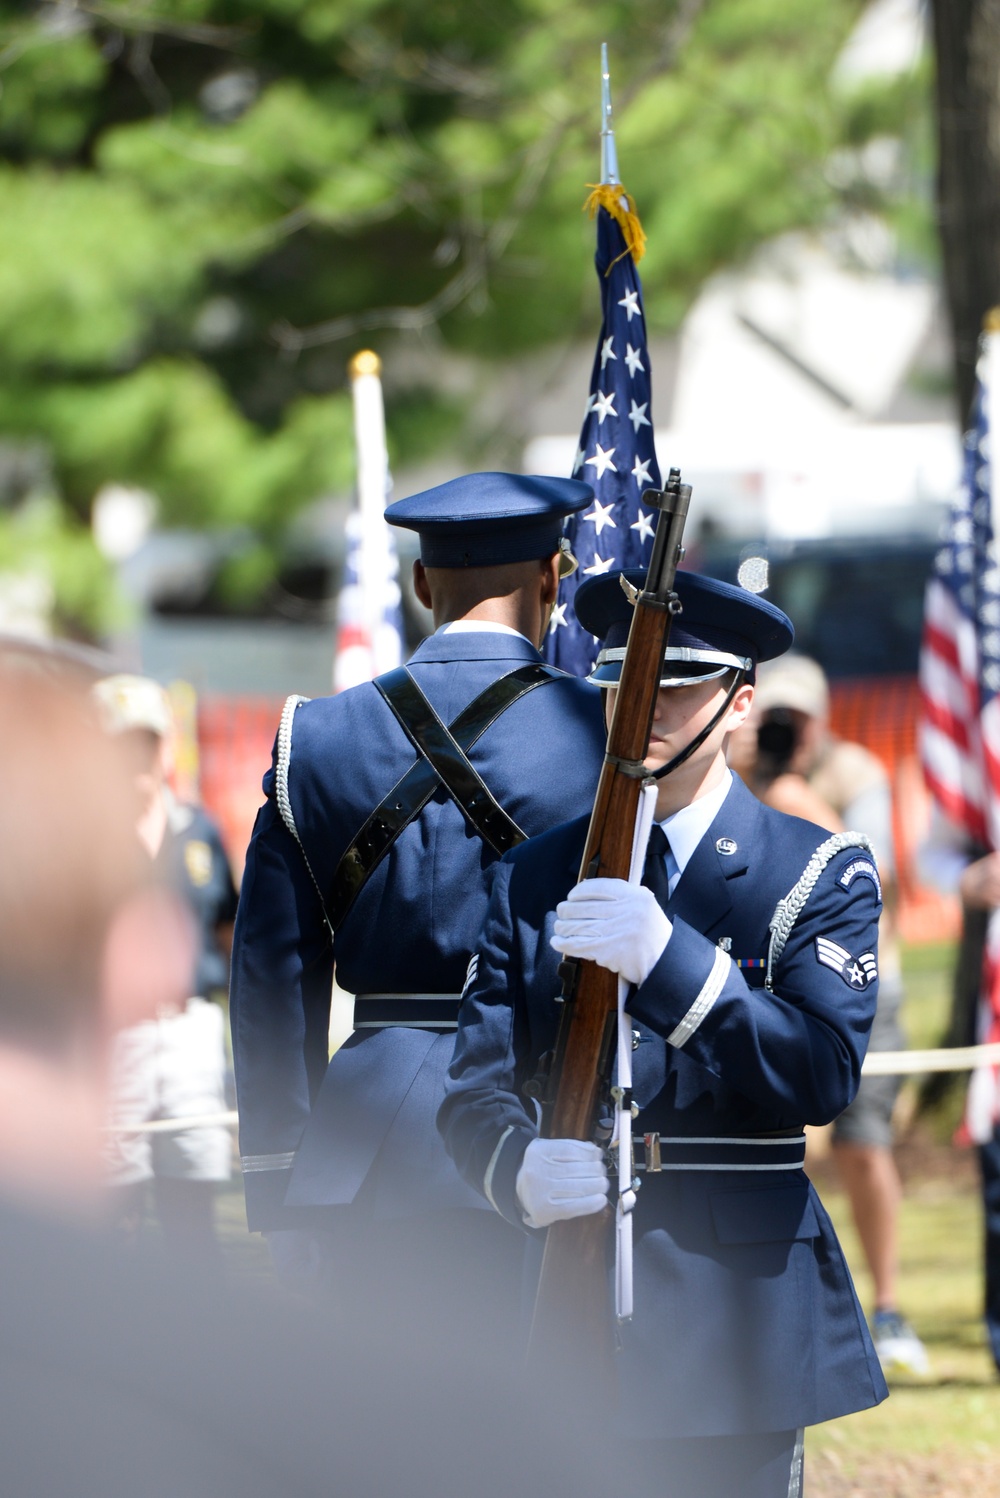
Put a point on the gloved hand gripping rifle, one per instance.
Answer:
(572, 1317)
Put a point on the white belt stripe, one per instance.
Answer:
(406, 1024)
(777, 1141)
(796, 1472)
(363, 999)
(710, 992)
(250, 1163)
(422, 998)
(668, 1169)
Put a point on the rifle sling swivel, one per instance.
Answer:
(633, 768)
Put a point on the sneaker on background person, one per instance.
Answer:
(899, 1348)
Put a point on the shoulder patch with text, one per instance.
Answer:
(861, 867)
(857, 972)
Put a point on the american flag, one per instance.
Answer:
(959, 729)
(615, 454)
(369, 605)
(960, 655)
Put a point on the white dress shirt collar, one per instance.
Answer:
(479, 627)
(686, 828)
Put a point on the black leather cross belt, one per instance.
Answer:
(443, 761)
(414, 1011)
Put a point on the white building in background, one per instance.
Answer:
(799, 397)
(791, 413)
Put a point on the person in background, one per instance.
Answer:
(172, 1065)
(794, 763)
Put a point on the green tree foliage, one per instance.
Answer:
(208, 205)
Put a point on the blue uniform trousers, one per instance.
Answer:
(755, 1466)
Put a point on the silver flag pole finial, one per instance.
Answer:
(609, 155)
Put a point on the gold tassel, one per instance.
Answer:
(613, 197)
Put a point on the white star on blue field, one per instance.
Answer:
(616, 455)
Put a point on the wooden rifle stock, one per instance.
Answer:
(572, 1324)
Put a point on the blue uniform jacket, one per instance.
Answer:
(318, 1128)
(745, 1315)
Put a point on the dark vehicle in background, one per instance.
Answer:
(856, 603)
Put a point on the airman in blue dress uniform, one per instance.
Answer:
(387, 807)
(751, 948)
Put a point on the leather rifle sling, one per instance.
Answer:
(443, 760)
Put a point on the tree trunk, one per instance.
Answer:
(967, 48)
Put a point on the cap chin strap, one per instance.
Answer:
(567, 561)
(739, 677)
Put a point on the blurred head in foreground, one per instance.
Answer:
(115, 1379)
(86, 941)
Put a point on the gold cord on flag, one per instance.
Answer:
(615, 200)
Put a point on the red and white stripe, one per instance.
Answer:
(953, 738)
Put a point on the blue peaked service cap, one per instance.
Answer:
(489, 519)
(720, 627)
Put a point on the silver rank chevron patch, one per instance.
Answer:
(857, 972)
(470, 973)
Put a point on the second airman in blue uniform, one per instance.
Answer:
(387, 808)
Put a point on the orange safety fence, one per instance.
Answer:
(235, 739)
(881, 713)
(236, 736)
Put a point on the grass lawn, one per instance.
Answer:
(939, 1438)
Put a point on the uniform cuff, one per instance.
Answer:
(265, 1195)
(681, 991)
(500, 1181)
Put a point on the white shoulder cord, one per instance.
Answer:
(788, 910)
(623, 1090)
(281, 795)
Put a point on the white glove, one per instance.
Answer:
(561, 1178)
(616, 924)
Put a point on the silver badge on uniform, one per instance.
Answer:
(725, 845)
(198, 861)
(857, 972)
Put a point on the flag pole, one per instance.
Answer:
(615, 454)
(609, 153)
(991, 359)
(369, 624)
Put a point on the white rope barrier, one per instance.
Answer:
(176, 1125)
(951, 1058)
(876, 1064)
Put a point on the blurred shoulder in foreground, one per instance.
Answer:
(120, 1378)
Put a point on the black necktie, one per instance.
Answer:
(654, 875)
